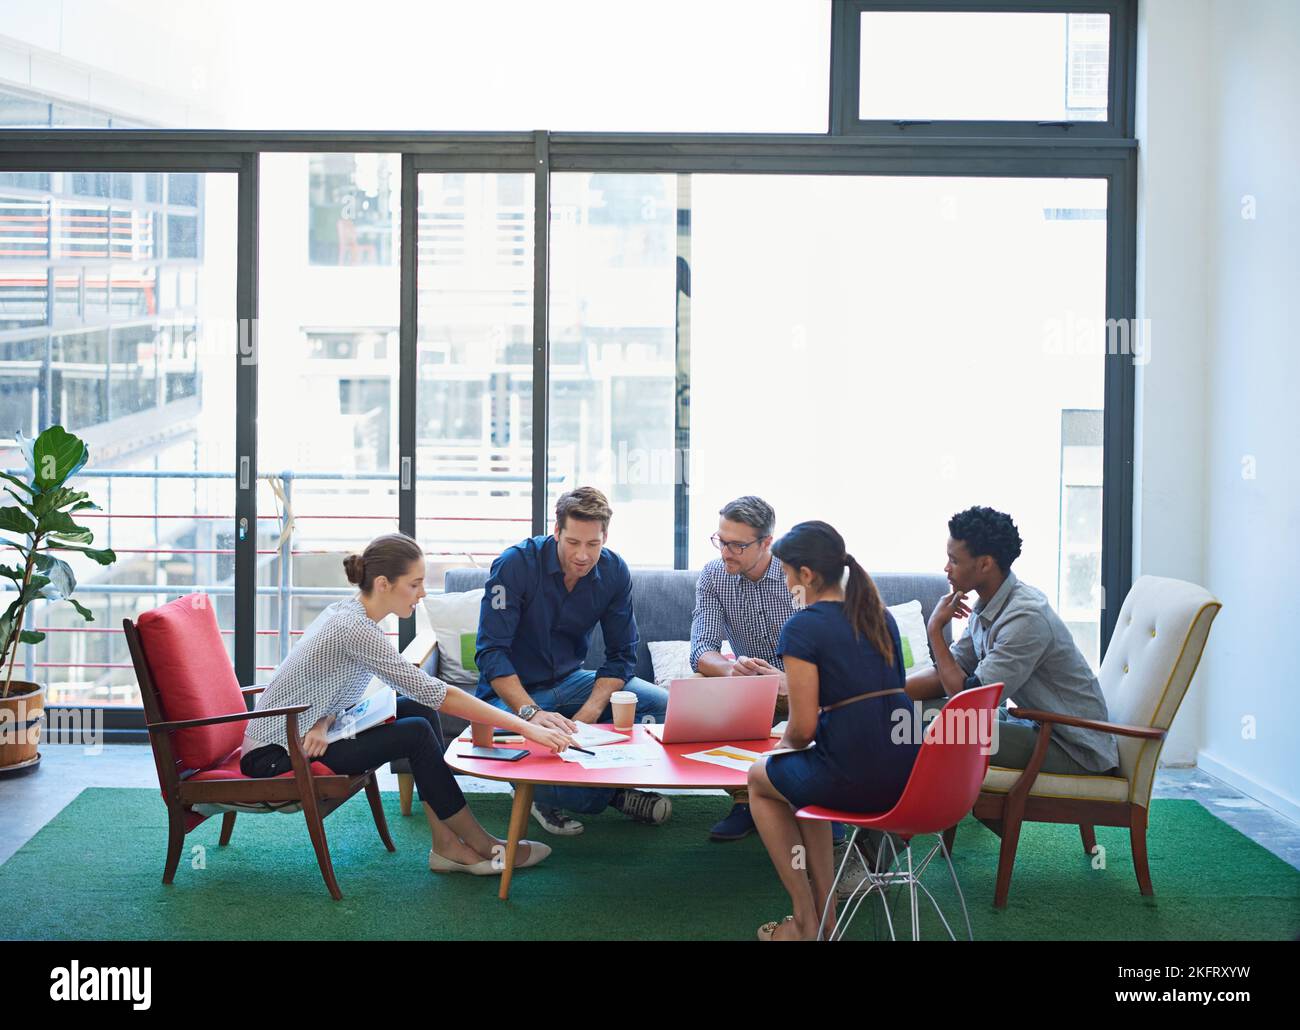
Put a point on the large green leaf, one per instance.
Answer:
(52, 500)
(62, 580)
(28, 447)
(60, 524)
(17, 482)
(105, 556)
(14, 572)
(23, 549)
(86, 613)
(23, 502)
(56, 455)
(15, 520)
(31, 636)
(35, 588)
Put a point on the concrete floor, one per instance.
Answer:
(28, 802)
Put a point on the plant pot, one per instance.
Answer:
(21, 713)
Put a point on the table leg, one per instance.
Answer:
(518, 823)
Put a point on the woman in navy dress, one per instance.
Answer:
(840, 645)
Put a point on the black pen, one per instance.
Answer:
(574, 747)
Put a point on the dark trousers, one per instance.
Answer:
(415, 736)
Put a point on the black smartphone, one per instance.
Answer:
(495, 754)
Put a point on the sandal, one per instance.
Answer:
(766, 931)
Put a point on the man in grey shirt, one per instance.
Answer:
(1014, 638)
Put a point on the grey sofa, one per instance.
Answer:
(664, 600)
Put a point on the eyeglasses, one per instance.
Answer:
(731, 546)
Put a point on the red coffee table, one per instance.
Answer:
(546, 767)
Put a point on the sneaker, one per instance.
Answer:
(735, 825)
(553, 820)
(644, 806)
(854, 870)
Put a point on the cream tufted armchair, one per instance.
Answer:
(1156, 646)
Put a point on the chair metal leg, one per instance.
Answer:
(970, 934)
(835, 883)
(873, 881)
(911, 893)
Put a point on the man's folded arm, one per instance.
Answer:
(618, 626)
(499, 616)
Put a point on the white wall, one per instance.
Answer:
(1252, 471)
(1218, 488)
(1173, 98)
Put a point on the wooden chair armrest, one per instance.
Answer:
(212, 720)
(256, 688)
(1145, 732)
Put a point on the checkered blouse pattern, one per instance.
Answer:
(330, 667)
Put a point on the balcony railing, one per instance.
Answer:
(501, 478)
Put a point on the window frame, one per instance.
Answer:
(846, 51)
(1107, 150)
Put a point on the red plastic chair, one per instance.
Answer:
(940, 792)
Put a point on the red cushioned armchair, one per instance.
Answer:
(196, 715)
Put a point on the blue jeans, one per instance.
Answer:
(566, 697)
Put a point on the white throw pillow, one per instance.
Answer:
(454, 617)
(671, 660)
(916, 642)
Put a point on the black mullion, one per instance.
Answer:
(682, 385)
(407, 365)
(246, 425)
(541, 329)
(1120, 394)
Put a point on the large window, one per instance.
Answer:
(474, 366)
(117, 322)
(327, 381)
(882, 352)
(613, 281)
(684, 289)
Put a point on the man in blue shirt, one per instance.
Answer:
(541, 602)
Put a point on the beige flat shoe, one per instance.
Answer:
(438, 864)
(537, 851)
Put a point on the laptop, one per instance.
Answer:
(713, 708)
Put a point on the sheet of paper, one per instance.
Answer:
(778, 731)
(613, 756)
(737, 758)
(593, 736)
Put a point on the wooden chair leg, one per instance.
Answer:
(316, 829)
(227, 828)
(175, 841)
(949, 837)
(377, 808)
(1007, 857)
(405, 791)
(1138, 836)
(1089, 838)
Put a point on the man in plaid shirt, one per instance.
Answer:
(741, 597)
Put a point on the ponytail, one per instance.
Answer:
(865, 610)
(818, 546)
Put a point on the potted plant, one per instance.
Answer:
(40, 523)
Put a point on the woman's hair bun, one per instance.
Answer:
(355, 568)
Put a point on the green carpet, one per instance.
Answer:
(95, 872)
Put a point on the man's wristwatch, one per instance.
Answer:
(527, 712)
